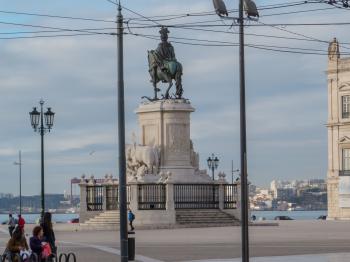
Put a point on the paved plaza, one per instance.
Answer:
(321, 241)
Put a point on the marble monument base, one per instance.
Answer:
(165, 126)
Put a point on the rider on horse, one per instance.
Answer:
(164, 59)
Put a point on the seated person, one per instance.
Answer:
(17, 243)
(36, 240)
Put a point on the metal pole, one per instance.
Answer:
(20, 183)
(121, 142)
(42, 160)
(232, 172)
(212, 172)
(244, 190)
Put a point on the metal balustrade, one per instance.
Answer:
(154, 196)
(151, 196)
(112, 197)
(94, 198)
(196, 196)
(230, 196)
(344, 172)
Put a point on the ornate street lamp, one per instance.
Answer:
(213, 163)
(41, 126)
(251, 11)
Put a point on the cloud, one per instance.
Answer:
(77, 77)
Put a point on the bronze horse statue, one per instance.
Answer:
(165, 72)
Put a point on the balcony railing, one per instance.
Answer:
(344, 172)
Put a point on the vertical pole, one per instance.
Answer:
(42, 130)
(20, 183)
(71, 193)
(244, 191)
(121, 142)
(232, 172)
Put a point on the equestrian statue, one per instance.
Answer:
(164, 67)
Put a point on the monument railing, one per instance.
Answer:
(155, 196)
(112, 197)
(100, 197)
(196, 196)
(151, 196)
(230, 196)
(94, 198)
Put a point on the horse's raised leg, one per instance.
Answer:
(168, 89)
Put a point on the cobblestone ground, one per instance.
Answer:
(290, 238)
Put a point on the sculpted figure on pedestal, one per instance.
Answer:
(333, 50)
(164, 67)
(141, 160)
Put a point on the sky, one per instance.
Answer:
(286, 93)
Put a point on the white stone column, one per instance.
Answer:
(104, 204)
(83, 204)
(134, 197)
(237, 212)
(221, 196)
(170, 203)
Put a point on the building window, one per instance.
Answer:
(346, 106)
(346, 159)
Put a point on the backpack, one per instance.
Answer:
(132, 216)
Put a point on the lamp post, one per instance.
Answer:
(213, 163)
(19, 164)
(38, 124)
(232, 172)
(251, 11)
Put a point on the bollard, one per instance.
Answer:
(131, 246)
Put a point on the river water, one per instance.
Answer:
(268, 215)
(297, 215)
(32, 218)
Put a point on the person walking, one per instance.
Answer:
(12, 224)
(48, 233)
(131, 218)
(21, 222)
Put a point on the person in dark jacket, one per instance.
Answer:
(49, 235)
(12, 224)
(35, 241)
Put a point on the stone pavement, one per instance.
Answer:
(290, 240)
(338, 257)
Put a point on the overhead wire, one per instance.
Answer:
(56, 16)
(89, 30)
(262, 47)
(195, 25)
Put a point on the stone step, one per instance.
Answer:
(204, 217)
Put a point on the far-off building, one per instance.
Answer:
(338, 176)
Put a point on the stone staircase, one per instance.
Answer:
(205, 218)
(108, 220)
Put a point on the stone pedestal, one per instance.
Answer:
(165, 124)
